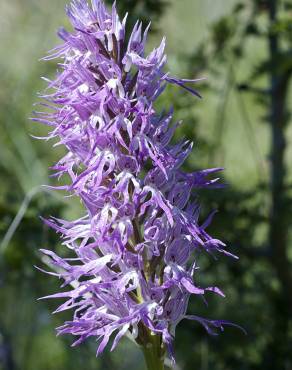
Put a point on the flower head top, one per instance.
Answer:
(137, 243)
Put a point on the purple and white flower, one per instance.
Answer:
(137, 244)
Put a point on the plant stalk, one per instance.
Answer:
(154, 354)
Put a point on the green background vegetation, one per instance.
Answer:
(242, 123)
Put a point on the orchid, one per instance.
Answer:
(137, 243)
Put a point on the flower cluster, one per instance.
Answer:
(137, 243)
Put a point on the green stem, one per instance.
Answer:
(154, 354)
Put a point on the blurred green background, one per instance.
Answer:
(243, 123)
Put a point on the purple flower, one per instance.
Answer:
(137, 243)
